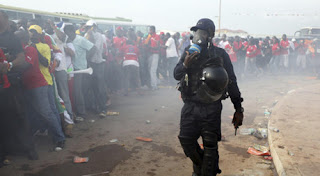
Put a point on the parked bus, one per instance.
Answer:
(16, 13)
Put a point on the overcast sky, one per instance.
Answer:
(254, 16)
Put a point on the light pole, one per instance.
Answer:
(219, 17)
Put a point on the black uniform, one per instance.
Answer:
(203, 119)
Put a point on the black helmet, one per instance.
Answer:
(214, 81)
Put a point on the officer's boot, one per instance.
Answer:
(210, 164)
(192, 150)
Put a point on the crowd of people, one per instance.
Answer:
(44, 85)
(257, 56)
(45, 80)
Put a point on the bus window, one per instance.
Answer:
(47, 17)
(65, 20)
(12, 15)
(57, 19)
(304, 32)
(25, 15)
(315, 31)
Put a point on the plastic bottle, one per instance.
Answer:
(247, 131)
(263, 132)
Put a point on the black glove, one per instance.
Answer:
(237, 119)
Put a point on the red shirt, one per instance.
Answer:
(251, 51)
(163, 52)
(4, 79)
(276, 49)
(131, 52)
(154, 43)
(237, 45)
(284, 44)
(118, 43)
(245, 43)
(232, 54)
(32, 77)
(258, 52)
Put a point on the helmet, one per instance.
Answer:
(214, 81)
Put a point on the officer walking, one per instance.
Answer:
(206, 77)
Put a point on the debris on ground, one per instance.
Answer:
(247, 131)
(261, 148)
(274, 129)
(92, 121)
(148, 121)
(261, 133)
(113, 140)
(143, 139)
(290, 153)
(275, 102)
(253, 151)
(311, 78)
(291, 91)
(267, 157)
(101, 173)
(267, 112)
(78, 159)
(111, 113)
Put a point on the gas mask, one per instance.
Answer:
(200, 40)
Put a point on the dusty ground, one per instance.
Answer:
(297, 117)
(162, 156)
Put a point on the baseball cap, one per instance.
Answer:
(37, 28)
(91, 23)
(204, 24)
(119, 28)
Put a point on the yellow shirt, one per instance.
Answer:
(45, 51)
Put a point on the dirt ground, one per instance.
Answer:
(162, 156)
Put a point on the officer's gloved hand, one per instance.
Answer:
(237, 119)
(189, 58)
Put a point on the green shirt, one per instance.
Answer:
(81, 45)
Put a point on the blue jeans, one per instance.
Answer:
(41, 107)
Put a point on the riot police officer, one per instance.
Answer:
(206, 77)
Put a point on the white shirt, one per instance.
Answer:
(171, 48)
(130, 62)
(69, 59)
(59, 56)
(98, 42)
(223, 44)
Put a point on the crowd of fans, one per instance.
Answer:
(42, 90)
(44, 82)
(257, 56)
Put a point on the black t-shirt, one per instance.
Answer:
(10, 45)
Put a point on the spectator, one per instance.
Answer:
(83, 49)
(301, 59)
(250, 62)
(98, 65)
(118, 41)
(42, 98)
(12, 122)
(172, 57)
(154, 44)
(131, 65)
(284, 52)
(275, 60)
(223, 42)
